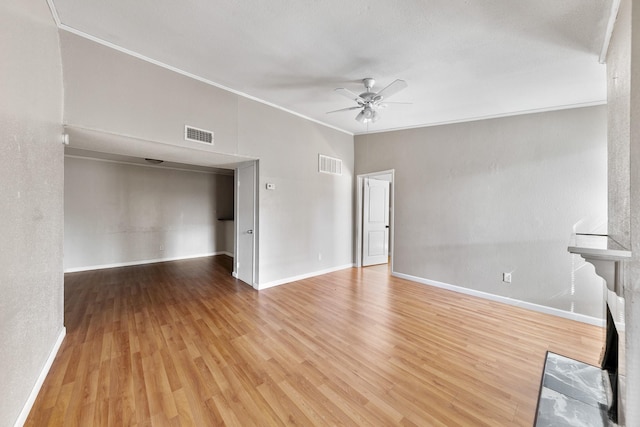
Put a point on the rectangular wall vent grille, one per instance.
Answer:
(198, 135)
(329, 165)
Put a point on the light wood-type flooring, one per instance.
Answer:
(185, 344)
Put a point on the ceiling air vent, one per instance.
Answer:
(198, 135)
(329, 165)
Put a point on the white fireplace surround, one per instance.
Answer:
(607, 256)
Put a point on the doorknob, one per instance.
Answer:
(249, 231)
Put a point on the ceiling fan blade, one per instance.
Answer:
(345, 109)
(348, 94)
(386, 104)
(391, 89)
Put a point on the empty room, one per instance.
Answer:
(412, 213)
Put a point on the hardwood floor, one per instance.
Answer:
(183, 343)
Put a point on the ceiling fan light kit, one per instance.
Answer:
(369, 101)
(367, 115)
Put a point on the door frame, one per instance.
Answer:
(236, 205)
(360, 213)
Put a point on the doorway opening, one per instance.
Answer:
(375, 218)
(142, 214)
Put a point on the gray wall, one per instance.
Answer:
(305, 225)
(476, 199)
(618, 91)
(623, 73)
(118, 213)
(31, 193)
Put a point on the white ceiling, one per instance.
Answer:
(462, 59)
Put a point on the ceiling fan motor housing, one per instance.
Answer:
(368, 83)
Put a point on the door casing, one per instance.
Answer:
(360, 210)
(246, 218)
(375, 221)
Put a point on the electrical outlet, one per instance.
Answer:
(319, 256)
(506, 277)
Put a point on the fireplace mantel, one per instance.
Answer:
(608, 257)
(604, 253)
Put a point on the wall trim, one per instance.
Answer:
(137, 55)
(613, 14)
(26, 409)
(54, 12)
(279, 282)
(505, 300)
(143, 262)
(549, 109)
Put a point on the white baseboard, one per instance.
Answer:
(143, 262)
(506, 300)
(279, 282)
(22, 418)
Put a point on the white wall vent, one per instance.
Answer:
(198, 135)
(329, 165)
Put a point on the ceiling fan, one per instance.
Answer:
(369, 101)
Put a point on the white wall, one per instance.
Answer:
(118, 213)
(305, 225)
(476, 199)
(31, 193)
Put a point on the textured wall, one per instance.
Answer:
(31, 194)
(476, 199)
(618, 90)
(623, 64)
(305, 225)
(121, 213)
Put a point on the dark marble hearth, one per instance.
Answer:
(572, 394)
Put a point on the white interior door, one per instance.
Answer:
(375, 222)
(245, 223)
